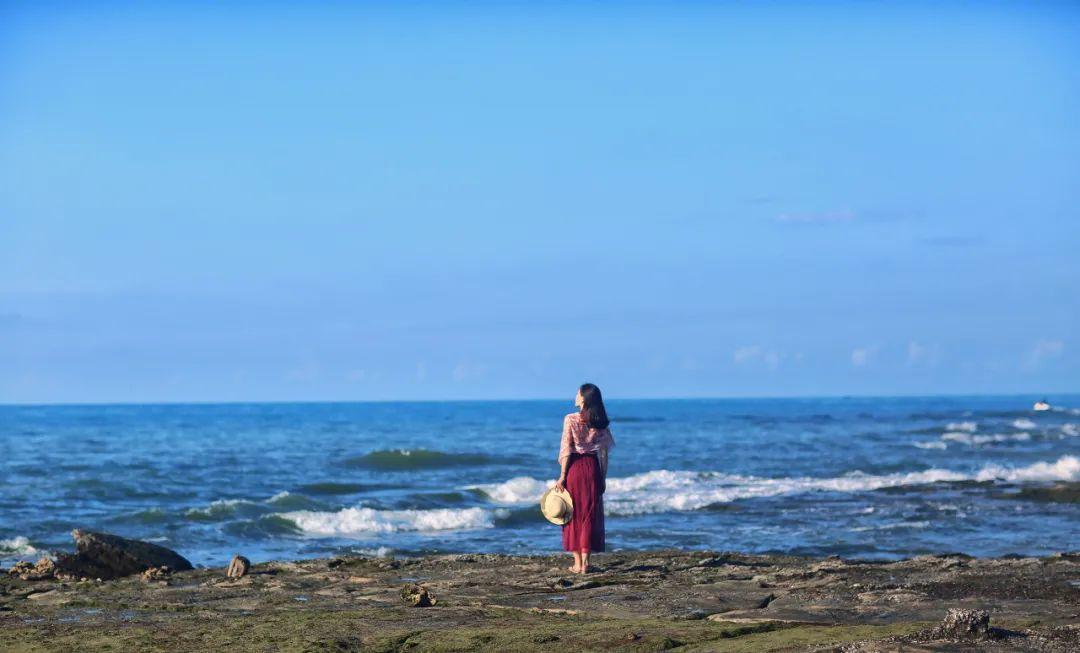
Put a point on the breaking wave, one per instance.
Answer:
(968, 438)
(664, 491)
(651, 492)
(16, 546)
(368, 521)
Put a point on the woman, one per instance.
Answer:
(583, 457)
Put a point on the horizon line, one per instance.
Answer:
(60, 404)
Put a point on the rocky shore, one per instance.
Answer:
(640, 601)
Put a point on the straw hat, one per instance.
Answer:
(557, 507)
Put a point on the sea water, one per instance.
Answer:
(862, 477)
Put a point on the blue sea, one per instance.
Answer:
(863, 477)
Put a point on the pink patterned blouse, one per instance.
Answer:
(578, 437)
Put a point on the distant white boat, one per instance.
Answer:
(1041, 405)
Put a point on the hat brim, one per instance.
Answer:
(565, 517)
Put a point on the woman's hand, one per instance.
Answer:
(560, 485)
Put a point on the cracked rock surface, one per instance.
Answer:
(640, 601)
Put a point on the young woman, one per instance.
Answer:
(583, 457)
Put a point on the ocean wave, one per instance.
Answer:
(967, 438)
(933, 444)
(406, 459)
(967, 427)
(289, 501)
(17, 546)
(224, 509)
(265, 527)
(352, 522)
(1023, 424)
(330, 488)
(149, 516)
(666, 491)
(650, 492)
(1066, 468)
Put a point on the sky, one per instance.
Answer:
(208, 201)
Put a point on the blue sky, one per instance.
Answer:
(244, 201)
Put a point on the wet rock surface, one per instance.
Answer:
(106, 556)
(701, 601)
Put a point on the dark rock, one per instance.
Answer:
(764, 603)
(105, 556)
(964, 624)
(238, 567)
(163, 573)
(418, 596)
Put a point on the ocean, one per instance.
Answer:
(857, 477)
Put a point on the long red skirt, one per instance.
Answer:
(585, 531)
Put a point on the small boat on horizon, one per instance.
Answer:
(1041, 405)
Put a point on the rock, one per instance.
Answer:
(417, 596)
(964, 624)
(163, 573)
(105, 556)
(764, 603)
(238, 567)
(45, 569)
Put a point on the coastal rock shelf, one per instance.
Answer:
(644, 601)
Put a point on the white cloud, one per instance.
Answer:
(746, 354)
(920, 354)
(1045, 349)
(756, 353)
(862, 356)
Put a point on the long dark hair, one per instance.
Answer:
(593, 411)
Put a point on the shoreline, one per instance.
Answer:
(634, 601)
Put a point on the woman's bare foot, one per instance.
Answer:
(574, 569)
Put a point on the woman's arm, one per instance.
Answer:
(560, 484)
(564, 455)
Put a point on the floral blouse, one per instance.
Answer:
(578, 437)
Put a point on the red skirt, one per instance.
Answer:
(584, 480)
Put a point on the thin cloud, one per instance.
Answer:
(951, 241)
(822, 217)
(1044, 350)
(863, 356)
(842, 216)
(920, 354)
(752, 354)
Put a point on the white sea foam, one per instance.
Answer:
(892, 526)
(1066, 468)
(379, 552)
(664, 490)
(1070, 429)
(967, 427)
(352, 522)
(933, 444)
(967, 438)
(1023, 424)
(520, 489)
(651, 492)
(17, 546)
